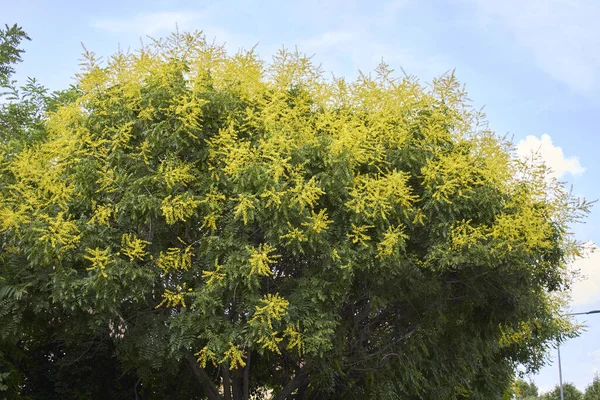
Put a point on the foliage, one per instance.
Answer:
(268, 228)
(592, 392)
(523, 390)
(10, 53)
(569, 390)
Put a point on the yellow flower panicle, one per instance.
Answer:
(174, 298)
(175, 259)
(294, 337)
(235, 356)
(100, 258)
(61, 231)
(393, 239)
(174, 171)
(376, 197)
(204, 355)
(294, 235)
(133, 247)
(359, 235)
(318, 222)
(214, 277)
(179, 208)
(274, 307)
(102, 215)
(261, 259)
(244, 207)
(305, 193)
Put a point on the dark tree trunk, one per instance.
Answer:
(207, 385)
(237, 384)
(300, 379)
(247, 378)
(301, 391)
(226, 383)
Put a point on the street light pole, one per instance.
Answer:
(562, 395)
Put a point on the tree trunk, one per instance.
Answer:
(247, 377)
(208, 386)
(237, 384)
(226, 383)
(300, 379)
(301, 391)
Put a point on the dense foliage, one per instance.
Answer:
(592, 392)
(570, 392)
(200, 225)
(523, 390)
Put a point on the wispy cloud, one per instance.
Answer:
(150, 23)
(344, 52)
(360, 41)
(552, 155)
(561, 35)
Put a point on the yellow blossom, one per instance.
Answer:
(100, 260)
(133, 247)
(261, 259)
(318, 222)
(179, 208)
(235, 356)
(175, 259)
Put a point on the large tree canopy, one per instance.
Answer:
(204, 223)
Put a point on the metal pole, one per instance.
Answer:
(562, 395)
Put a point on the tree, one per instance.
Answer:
(569, 390)
(592, 392)
(267, 229)
(523, 390)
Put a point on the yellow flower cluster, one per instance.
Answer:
(179, 208)
(133, 247)
(174, 298)
(175, 259)
(274, 308)
(215, 276)
(261, 259)
(100, 260)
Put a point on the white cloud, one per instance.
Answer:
(150, 23)
(561, 35)
(552, 155)
(586, 290)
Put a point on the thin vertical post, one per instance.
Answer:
(562, 395)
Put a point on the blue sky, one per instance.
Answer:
(533, 64)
